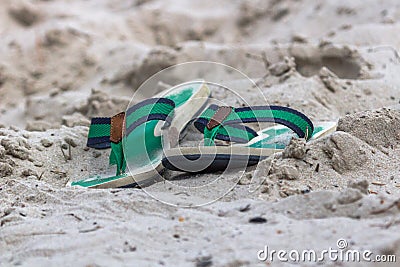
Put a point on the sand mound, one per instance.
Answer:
(380, 128)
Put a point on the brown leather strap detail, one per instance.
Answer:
(117, 124)
(219, 116)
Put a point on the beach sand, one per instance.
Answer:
(63, 62)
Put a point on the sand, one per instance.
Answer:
(63, 62)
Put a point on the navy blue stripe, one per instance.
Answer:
(101, 145)
(287, 109)
(201, 123)
(292, 126)
(103, 120)
(231, 138)
(298, 113)
(99, 142)
(148, 102)
(156, 116)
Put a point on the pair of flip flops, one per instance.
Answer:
(143, 139)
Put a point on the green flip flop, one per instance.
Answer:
(250, 147)
(135, 136)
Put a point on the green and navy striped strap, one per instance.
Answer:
(232, 128)
(101, 129)
(147, 110)
(99, 133)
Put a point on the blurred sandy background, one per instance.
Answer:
(62, 62)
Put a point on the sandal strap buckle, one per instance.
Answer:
(117, 125)
(219, 116)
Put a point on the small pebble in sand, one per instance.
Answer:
(24, 12)
(284, 171)
(204, 261)
(362, 186)
(2, 152)
(38, 164)
(8, 211)
(29, 172)
(298, 38)
(305, 191)
(350, 195)
(257, 220)
(280, 68)
(279, 13)
(296, 149)
(46, 142)
(266, 189)
(176, 236)
(56, 37)
(246, 179)
(245, 208)
(286, 191)
(96, 154)
(5, 169)
(329, 79)
(128, 247)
